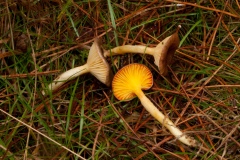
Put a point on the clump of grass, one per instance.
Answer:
(39, 40)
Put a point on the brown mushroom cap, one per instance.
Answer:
(129, 80)
(166, 50)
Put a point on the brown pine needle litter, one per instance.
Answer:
(199, 90)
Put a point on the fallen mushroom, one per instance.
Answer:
(96, 65)
(162, 53)
(129, 83)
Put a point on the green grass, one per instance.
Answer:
(83, 119)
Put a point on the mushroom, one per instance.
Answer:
(96, 65)
(129, 83)
(162, 53)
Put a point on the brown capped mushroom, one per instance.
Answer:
(162, 53)
(96, 65)
(129, 83)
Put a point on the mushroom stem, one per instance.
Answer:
(129, 49)
(68, 75)
(164, 120)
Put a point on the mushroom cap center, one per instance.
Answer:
(130, 80)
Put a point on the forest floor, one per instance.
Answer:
(82, 119)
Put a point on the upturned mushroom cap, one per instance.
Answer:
(129, 80)
(164, 52)
(98, 65)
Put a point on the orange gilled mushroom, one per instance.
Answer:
(129, 83)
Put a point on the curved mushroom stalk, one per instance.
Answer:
(129, 83)
(129, 49)
(67, 76)
(162, 53)
(96, 65)
(166, 122)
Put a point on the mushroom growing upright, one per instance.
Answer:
(129, 83)
(96, 65)
(162, 53)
